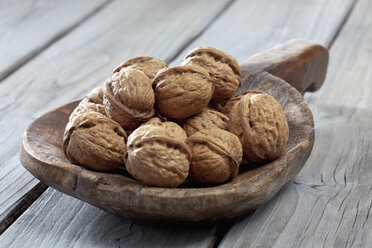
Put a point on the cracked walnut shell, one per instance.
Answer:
(216, 155)
(129, 98)
(221, 66)
(94, 141)
(154, 157)
(207, 119)
(148, 65)
(259, 122)
(182, 91)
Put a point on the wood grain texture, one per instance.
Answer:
(329, 204)
(316, 20)
(300, 63)
(13, 212)
(121, 195)
(26, 27)
(78, 224)
(82, 60)
(253, 26)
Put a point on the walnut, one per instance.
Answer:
(216, 155)
(207, 119)
(129, 98)
(96, 95)
(155, 157)
(230, 103)
(91, 103)
(94, 141)
(84, 106)
(175, 131)
(222, 67)
(182, 91)
(259, 122)
(148, 65)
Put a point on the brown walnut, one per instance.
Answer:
(175, 131)
(259, 122)
(216, 155)
(155, 157)
(206, 119)
(231, 102)
(93, 102)
(96, 96)
(129, 98)
(182, 91)
(94, 141)
(148, 65)
(221, 66)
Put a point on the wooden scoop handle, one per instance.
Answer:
(301, 63)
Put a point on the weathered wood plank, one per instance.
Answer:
(13, 212)
(81, 61)
(288, 26)
(57, 220)
(27, 27)
(249, 27)
(329, 202)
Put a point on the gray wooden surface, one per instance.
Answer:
(63, 226)
(248, 27)
(27, 27)
(327, 205)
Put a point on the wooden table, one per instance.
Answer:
(55, 51)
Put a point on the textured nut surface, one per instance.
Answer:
(129, 98)
(231, 102)
(94, 141)
(259, 122)
(216, 155)
(175, 131)
(148, 65)
(221, 66)
(86, 105)
(155, 158)
(96, 95)
(182, 91)
(206, 119)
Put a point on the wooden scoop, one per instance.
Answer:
(302, 64)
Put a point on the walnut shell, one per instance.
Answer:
(129, 98)
(259, 122)
(182, 91)
(96, 95)
(175, 131)
(216, 155)
(94, 141)
(148, 65)
(207, 119)
(154, 157)
(221, 66)
(231, 102)
(86, 105)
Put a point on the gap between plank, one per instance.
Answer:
(30, 197)
(56, 38)
(27, 200)
(222, 229)
(171, 58)
(342, 24)
(21, 205)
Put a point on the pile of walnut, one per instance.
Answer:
(136, 118)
